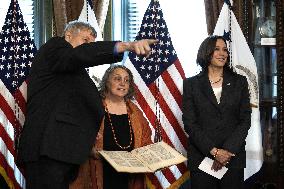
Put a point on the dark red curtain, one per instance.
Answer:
(67, 10)
(213, 9)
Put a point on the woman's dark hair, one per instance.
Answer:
(206, 51)
(103, 84)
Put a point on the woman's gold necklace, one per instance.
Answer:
(214, 82)
(113, 132)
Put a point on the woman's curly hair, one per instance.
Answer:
(103, 87)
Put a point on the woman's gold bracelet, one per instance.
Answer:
(216, 153)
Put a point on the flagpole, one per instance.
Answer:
(229, 3)
(158, 133)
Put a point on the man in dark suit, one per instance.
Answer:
(216, 116)
(64, 108)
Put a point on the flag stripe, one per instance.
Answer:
(8, 169)
(11, 104)
(8, 164)
(155, 184)
(151, 117)
(9, 172)
(9, 129)
(20, 101)
(169, 99)
(179, 68)
(162, 179)
(9, 113)
(176, 77)
(146, 107)
(173, 88)
(182, 168)
(169, 175)
(175, 170)
(154, 181)
(23, 89)
(172, 119)
(5, 137)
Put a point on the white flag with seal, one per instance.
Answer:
(243, 63)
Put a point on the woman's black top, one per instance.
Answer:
(112, 178)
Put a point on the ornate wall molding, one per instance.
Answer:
(280, 84)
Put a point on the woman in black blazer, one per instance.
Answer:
(216, 116)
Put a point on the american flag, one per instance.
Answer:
(16, 52)
(158, 80)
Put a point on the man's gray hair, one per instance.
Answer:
(76, 26)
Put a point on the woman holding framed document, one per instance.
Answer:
(123, 128)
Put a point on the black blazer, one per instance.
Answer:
(64, 109)
(210, 124)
